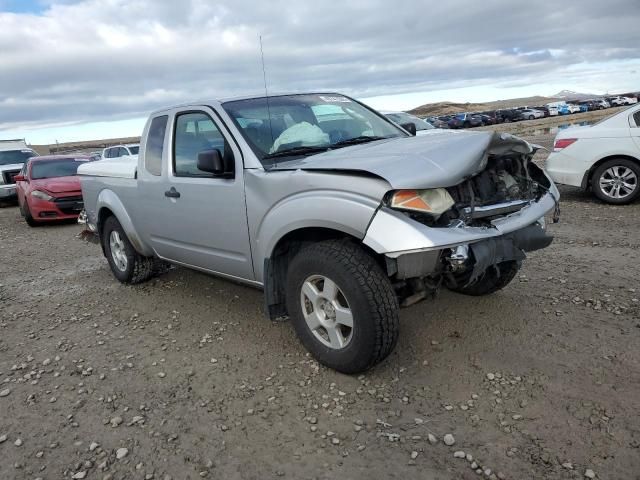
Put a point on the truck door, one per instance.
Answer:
(194, 218)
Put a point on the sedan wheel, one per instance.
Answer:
(616, 181)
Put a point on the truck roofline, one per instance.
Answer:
(220, 101)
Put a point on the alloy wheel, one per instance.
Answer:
(326, 312)
(618, 182)
(118, 253)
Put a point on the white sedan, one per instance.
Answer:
(604, 157)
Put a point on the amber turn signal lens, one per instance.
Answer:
(409, 200)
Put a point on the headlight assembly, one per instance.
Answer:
(434, 201)
(41, 195)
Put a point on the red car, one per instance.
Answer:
(48, 188)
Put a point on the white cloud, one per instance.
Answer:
(100, 60)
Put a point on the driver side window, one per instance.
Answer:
(195, 132)
(636, 118)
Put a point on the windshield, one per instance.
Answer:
(306, 124)
(10, 157)
(402, 117)
(65, 167)
(134, 150)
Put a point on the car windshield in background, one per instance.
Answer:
(134, 150)
(306, 124)
(10, 157)
(65, 167)
(401, 118)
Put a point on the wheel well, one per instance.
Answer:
(103, 214)
(586, 181)
(275, 267)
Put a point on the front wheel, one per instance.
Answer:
(493, 279)
(342, 305)
(127, 265)
(26, 213)
(616, 181)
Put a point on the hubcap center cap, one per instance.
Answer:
(328, 309)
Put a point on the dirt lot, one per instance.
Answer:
(540, 380)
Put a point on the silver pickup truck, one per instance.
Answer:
(13, 156)
(339, 214)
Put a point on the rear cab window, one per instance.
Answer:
(155, 145)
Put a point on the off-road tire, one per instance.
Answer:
(493, 279)
(595, 181)
(371, 298)
(139, 268)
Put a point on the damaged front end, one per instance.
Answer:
(454, 235)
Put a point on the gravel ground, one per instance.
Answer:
(183, 378)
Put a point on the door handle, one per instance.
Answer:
(172, 193)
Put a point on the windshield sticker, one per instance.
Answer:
(334, 99)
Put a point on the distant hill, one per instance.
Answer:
(570, 95)
(81, 146)
(447, 108)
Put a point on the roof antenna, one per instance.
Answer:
(266, 92)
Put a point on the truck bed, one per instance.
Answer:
(124, 167)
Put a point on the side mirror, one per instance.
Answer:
(410, 127)
(211, 161)
(19, 178)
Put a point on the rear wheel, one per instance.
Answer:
(127, 265)
(342, 305)
(616, 181)
(531, 117)
(493, 279)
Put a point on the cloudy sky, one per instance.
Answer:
(88, 69)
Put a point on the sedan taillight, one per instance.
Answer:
(563, 143)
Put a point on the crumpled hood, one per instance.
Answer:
(438, 159)
(58, 184)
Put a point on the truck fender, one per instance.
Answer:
(335, 210)
(107, 199)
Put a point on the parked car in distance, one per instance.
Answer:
(530, 114)
(621, 101)
(402, 118)
(572, 108)
(486, 119)
(48, 188)
(544, 110)
(469, 120)
(437, 122)
(13, 155)
(604, 157)
(508, 115)
(119, 151)
(340, 220)
(453, 122)
(603, 103)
